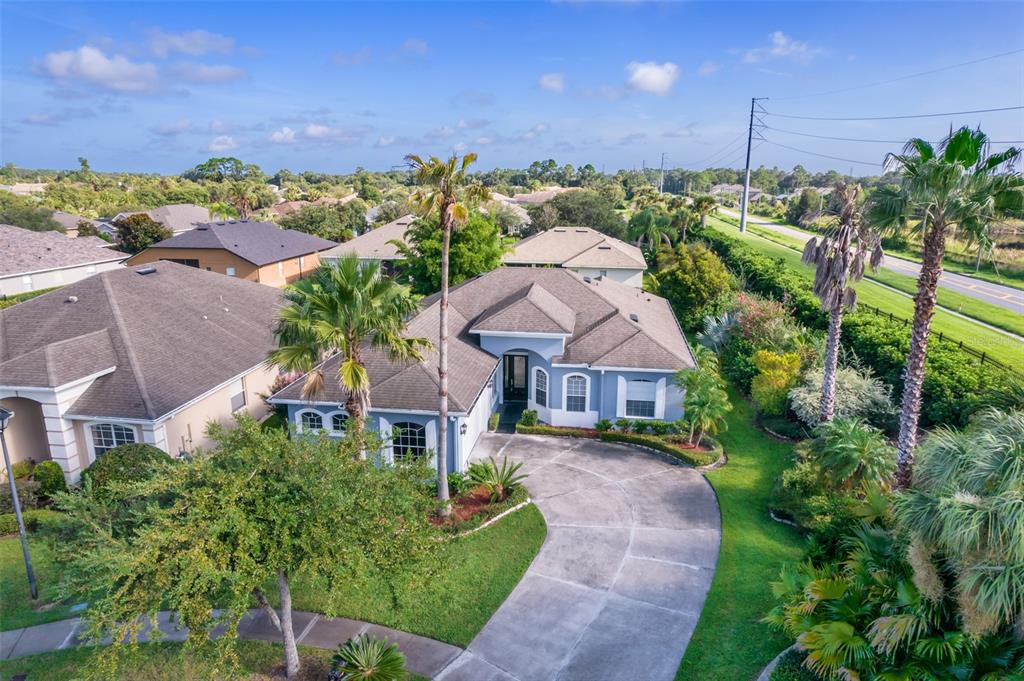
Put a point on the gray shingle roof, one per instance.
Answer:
(23, 251)
(576, 247)
(375, 244)
(172, 335)
(602, 333)
(260, 243)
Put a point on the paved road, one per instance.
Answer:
(1004, 296)
(617, 588)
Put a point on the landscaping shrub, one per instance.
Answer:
(777, 374)
(28, 495)
(22, 469)
(639, 426)
(458, 483)
(660, 428)
(691, 456)
(603, 426)
(35, 519)
(529, 417)
(50, 477)
(126, 463)
(557, 431)
(368, 659)
(623, 424)
(697, 285)
(737, 362)
(501, 481)
(791, 668)
(858, 395)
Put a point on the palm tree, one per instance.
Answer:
(645, 196)
(703, 206)
(344, 308)
(839, 258)
(705, 400)
(965, 509)
(681, 220)
(446, 187)
(243, 196)
(650, 228)
(955, 187)
(850, 454)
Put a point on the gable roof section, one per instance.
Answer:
(260, 243)
(23, 251)
(143, 325)
(576, 247)
(530, 310)
(375, 244)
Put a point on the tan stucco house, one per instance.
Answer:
(256, 251)
(149, 354)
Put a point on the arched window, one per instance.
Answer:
(576, 393)
(106, 436)
(339, 422)
(640, 398)
(540, 387)
(311, 421)
(409, 442)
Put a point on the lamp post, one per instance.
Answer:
(5, 417)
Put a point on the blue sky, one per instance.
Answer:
(158, 87)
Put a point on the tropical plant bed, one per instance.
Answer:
(702, 454)
(475, 507)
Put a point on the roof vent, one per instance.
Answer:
(581, 231)
(604, 248)
(72, 299)
(587, 279)
(633, 317)
(556, 229)
(149, 269)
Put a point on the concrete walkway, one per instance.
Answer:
(618, 586)
(425, 656)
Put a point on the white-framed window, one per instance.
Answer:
(311, 421)
(641, 395)
(237, 394)
(540, 387)
(339, 422)
(230, 271)
(576, 393)
(106, 436)
(409, 441)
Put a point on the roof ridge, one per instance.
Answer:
(133, 361)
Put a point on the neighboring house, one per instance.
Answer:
(375, 245)
(573, 348)
(144, 354)
(582, 250)
(32, 261)
(24, 188)
(70, 222)
(178, 218)
(257, 251)
(501, 202)
(288, 207)
(541, 196)
(734, 191)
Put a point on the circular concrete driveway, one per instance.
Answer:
(618, 586)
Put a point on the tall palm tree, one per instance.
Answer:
(959, 186)
(839, 258)
(650, 228)
(703, 206)
(243, 196)
(446, 187)
(344, 308)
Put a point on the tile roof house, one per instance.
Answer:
(574, 348)
(375, 245)
(100, 362)
(582, 250)
(32, 261)
(257, 251)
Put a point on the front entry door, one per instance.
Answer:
(515, 373)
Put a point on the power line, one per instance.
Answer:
(813, 153)
(901, 78)
(857, 139)
(720, 150)
(892, 118)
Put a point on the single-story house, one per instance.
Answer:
(583, 250)
(540, 196)
(374, 245)
(143, 354)
(31, 261)
(257, 251)
(178, 217)
(576, 349)
(70, 222)
(734, 191)
(24, 188)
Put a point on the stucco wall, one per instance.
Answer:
(219, 260)
(13, 285)
(26, 432)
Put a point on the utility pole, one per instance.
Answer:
(661, 184)
(746, 176)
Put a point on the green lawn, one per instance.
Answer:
(730, 642)
(16, 607)
(1000, 346)
(478, 573)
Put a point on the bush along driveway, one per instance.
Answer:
(619, 584)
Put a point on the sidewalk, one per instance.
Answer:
(424, 656)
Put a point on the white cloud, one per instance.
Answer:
(649, 76)
(552, 82)
(385, 140)
(460, 147)
(534, 132)
(441, 132)
(782, 47)
(317, 131)
(472, 123)
(90, 65)
(174, 129)
(356, 58)
(283, 136)
(194, 43)
(414, 46)
(483, 141)
(204, 73)
(222, 143)
(709, 68)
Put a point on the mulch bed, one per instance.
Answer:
(466, 506)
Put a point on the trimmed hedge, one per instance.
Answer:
(690, 456)
(50, 477)
(557, 431)
(131, 462)
(33, 520)
(956, 383)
